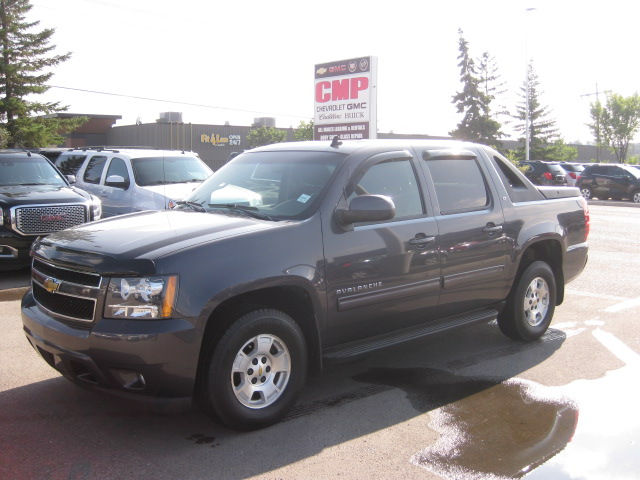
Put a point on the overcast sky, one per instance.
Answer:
(256, 58)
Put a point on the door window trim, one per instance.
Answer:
(401, 155)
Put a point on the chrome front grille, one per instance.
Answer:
(70, 295)
(43, 219)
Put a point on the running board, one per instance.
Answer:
(360, 347)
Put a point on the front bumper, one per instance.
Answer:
(157, 358)
(14, 249)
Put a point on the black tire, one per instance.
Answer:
(635, 196)
(586, 193)
(528, 321)
(227, 394)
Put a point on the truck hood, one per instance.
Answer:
(38, 194)
(174, 191)
(130, 243)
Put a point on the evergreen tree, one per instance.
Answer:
(475, 99)
(24, 57)
(543, 133)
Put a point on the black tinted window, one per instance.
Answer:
(395, 179)
(459, 185)
(94, 170)
(164, 170)
(69, 165)
(557, 169)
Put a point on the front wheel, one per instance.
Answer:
(586, 193)
(531, 304)
(636, 196)
(256, 370)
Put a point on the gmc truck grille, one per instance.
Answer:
(70, 295)
(48, 219)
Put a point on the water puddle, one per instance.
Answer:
(490, 429)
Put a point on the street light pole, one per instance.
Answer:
(527, 121)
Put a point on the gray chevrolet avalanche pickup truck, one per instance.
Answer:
(296, 254)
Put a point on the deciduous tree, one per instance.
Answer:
(264, 136)
(304, 131)
(616, 123)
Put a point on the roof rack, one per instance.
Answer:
(117, 148)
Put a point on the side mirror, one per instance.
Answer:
(116, 181)
(71, 179)
(367, 208)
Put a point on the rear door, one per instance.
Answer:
(472, 245)
(90, 175)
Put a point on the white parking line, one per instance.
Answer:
(618, 307)
(617, 347)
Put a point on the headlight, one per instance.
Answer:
(96, 208)
(141, 297)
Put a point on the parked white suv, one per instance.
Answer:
(130, 179)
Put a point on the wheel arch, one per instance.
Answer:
(548, 250)
(293, 300)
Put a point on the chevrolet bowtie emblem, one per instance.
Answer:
(260, 371)
(51, 285)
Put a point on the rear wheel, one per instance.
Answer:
(531, 304)
(636, 196)
(586, 192)
(256, 370)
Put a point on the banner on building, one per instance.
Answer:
(345, 99)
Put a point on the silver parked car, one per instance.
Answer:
(130, 179)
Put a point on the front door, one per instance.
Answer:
(383, 276)
(116, 200)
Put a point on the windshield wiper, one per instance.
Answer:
(251, 211)
(190, 180)
(193, 205)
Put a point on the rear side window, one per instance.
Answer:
(94, 169)
(459, 185)
(517, 189)
(395, 179)
(70, 164)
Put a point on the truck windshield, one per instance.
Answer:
(280, 185)
(150, 171)
(28, 171)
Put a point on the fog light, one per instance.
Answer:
(129, 379)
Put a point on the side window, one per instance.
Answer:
(395, 179)
(69, 165)
(94, 169)
(118, 167)
(459, 184)
(508, 173)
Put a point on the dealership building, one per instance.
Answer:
(216, 143)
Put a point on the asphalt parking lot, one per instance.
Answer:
(465, 404)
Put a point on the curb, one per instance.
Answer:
(614, 203)
(11, 294)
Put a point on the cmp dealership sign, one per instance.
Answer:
(345, 99)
